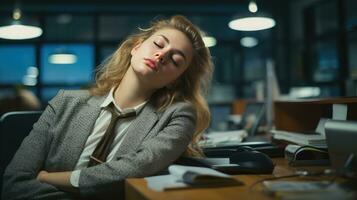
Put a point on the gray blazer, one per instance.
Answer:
(153, 141)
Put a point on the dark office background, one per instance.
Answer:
(312, 44)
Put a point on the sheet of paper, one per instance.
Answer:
(339, 111)
(223, 138)
(161, 183)
(179, 170)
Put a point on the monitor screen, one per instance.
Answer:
(252, 117)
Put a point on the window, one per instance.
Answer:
(77, 27)
(80, 72)
(14, 71)
(326, 61)
(114, 27)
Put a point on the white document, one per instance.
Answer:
(164, 182)
(223, 138)
(180, 170)
(177, 172)
(339, 111)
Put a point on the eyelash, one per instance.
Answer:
(173, 61)
(158, 45)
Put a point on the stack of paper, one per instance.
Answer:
(315, 140)
(223, 138)
(186, 176)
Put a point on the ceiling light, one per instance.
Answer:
(62, 58)
(252, 22)
(18, 31)
(249, 41)
(209, 41)
(253, 8)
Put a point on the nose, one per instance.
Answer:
(159, 56)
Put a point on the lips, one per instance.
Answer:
(151, 63)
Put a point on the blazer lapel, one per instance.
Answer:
(78, 135)
(139, 128)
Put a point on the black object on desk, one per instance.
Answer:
(250, 162)
(225, 151)
(306, 155)
(243, 159)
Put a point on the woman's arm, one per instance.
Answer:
(153, 155)
(60, 180)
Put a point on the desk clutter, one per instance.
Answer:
(308, 190)
(312, 155)
(314, 138)
(187, 176)
(285, 183)
(247, 162)
(306, 155)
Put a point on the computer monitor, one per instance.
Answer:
(341, 139)
(252, 117)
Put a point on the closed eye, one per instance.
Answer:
(173, 61)
(156, 44)
(176, 59)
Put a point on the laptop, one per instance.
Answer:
(341, 137)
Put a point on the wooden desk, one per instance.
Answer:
(136, 188)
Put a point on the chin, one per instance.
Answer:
(143, 71)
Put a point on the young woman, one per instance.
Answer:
(159, 75)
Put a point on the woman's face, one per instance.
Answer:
(162, 58)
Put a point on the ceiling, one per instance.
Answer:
(216, 6)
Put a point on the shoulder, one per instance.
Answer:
(180, 108)
(182, 105)
(76, 93)
(64, 96)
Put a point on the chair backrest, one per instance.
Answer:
(14, 127)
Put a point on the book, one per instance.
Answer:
(187, 177)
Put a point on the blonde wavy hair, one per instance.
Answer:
(190, 86)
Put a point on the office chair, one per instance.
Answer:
(14, 127)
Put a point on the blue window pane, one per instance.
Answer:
(15, 61)
(80, 72)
